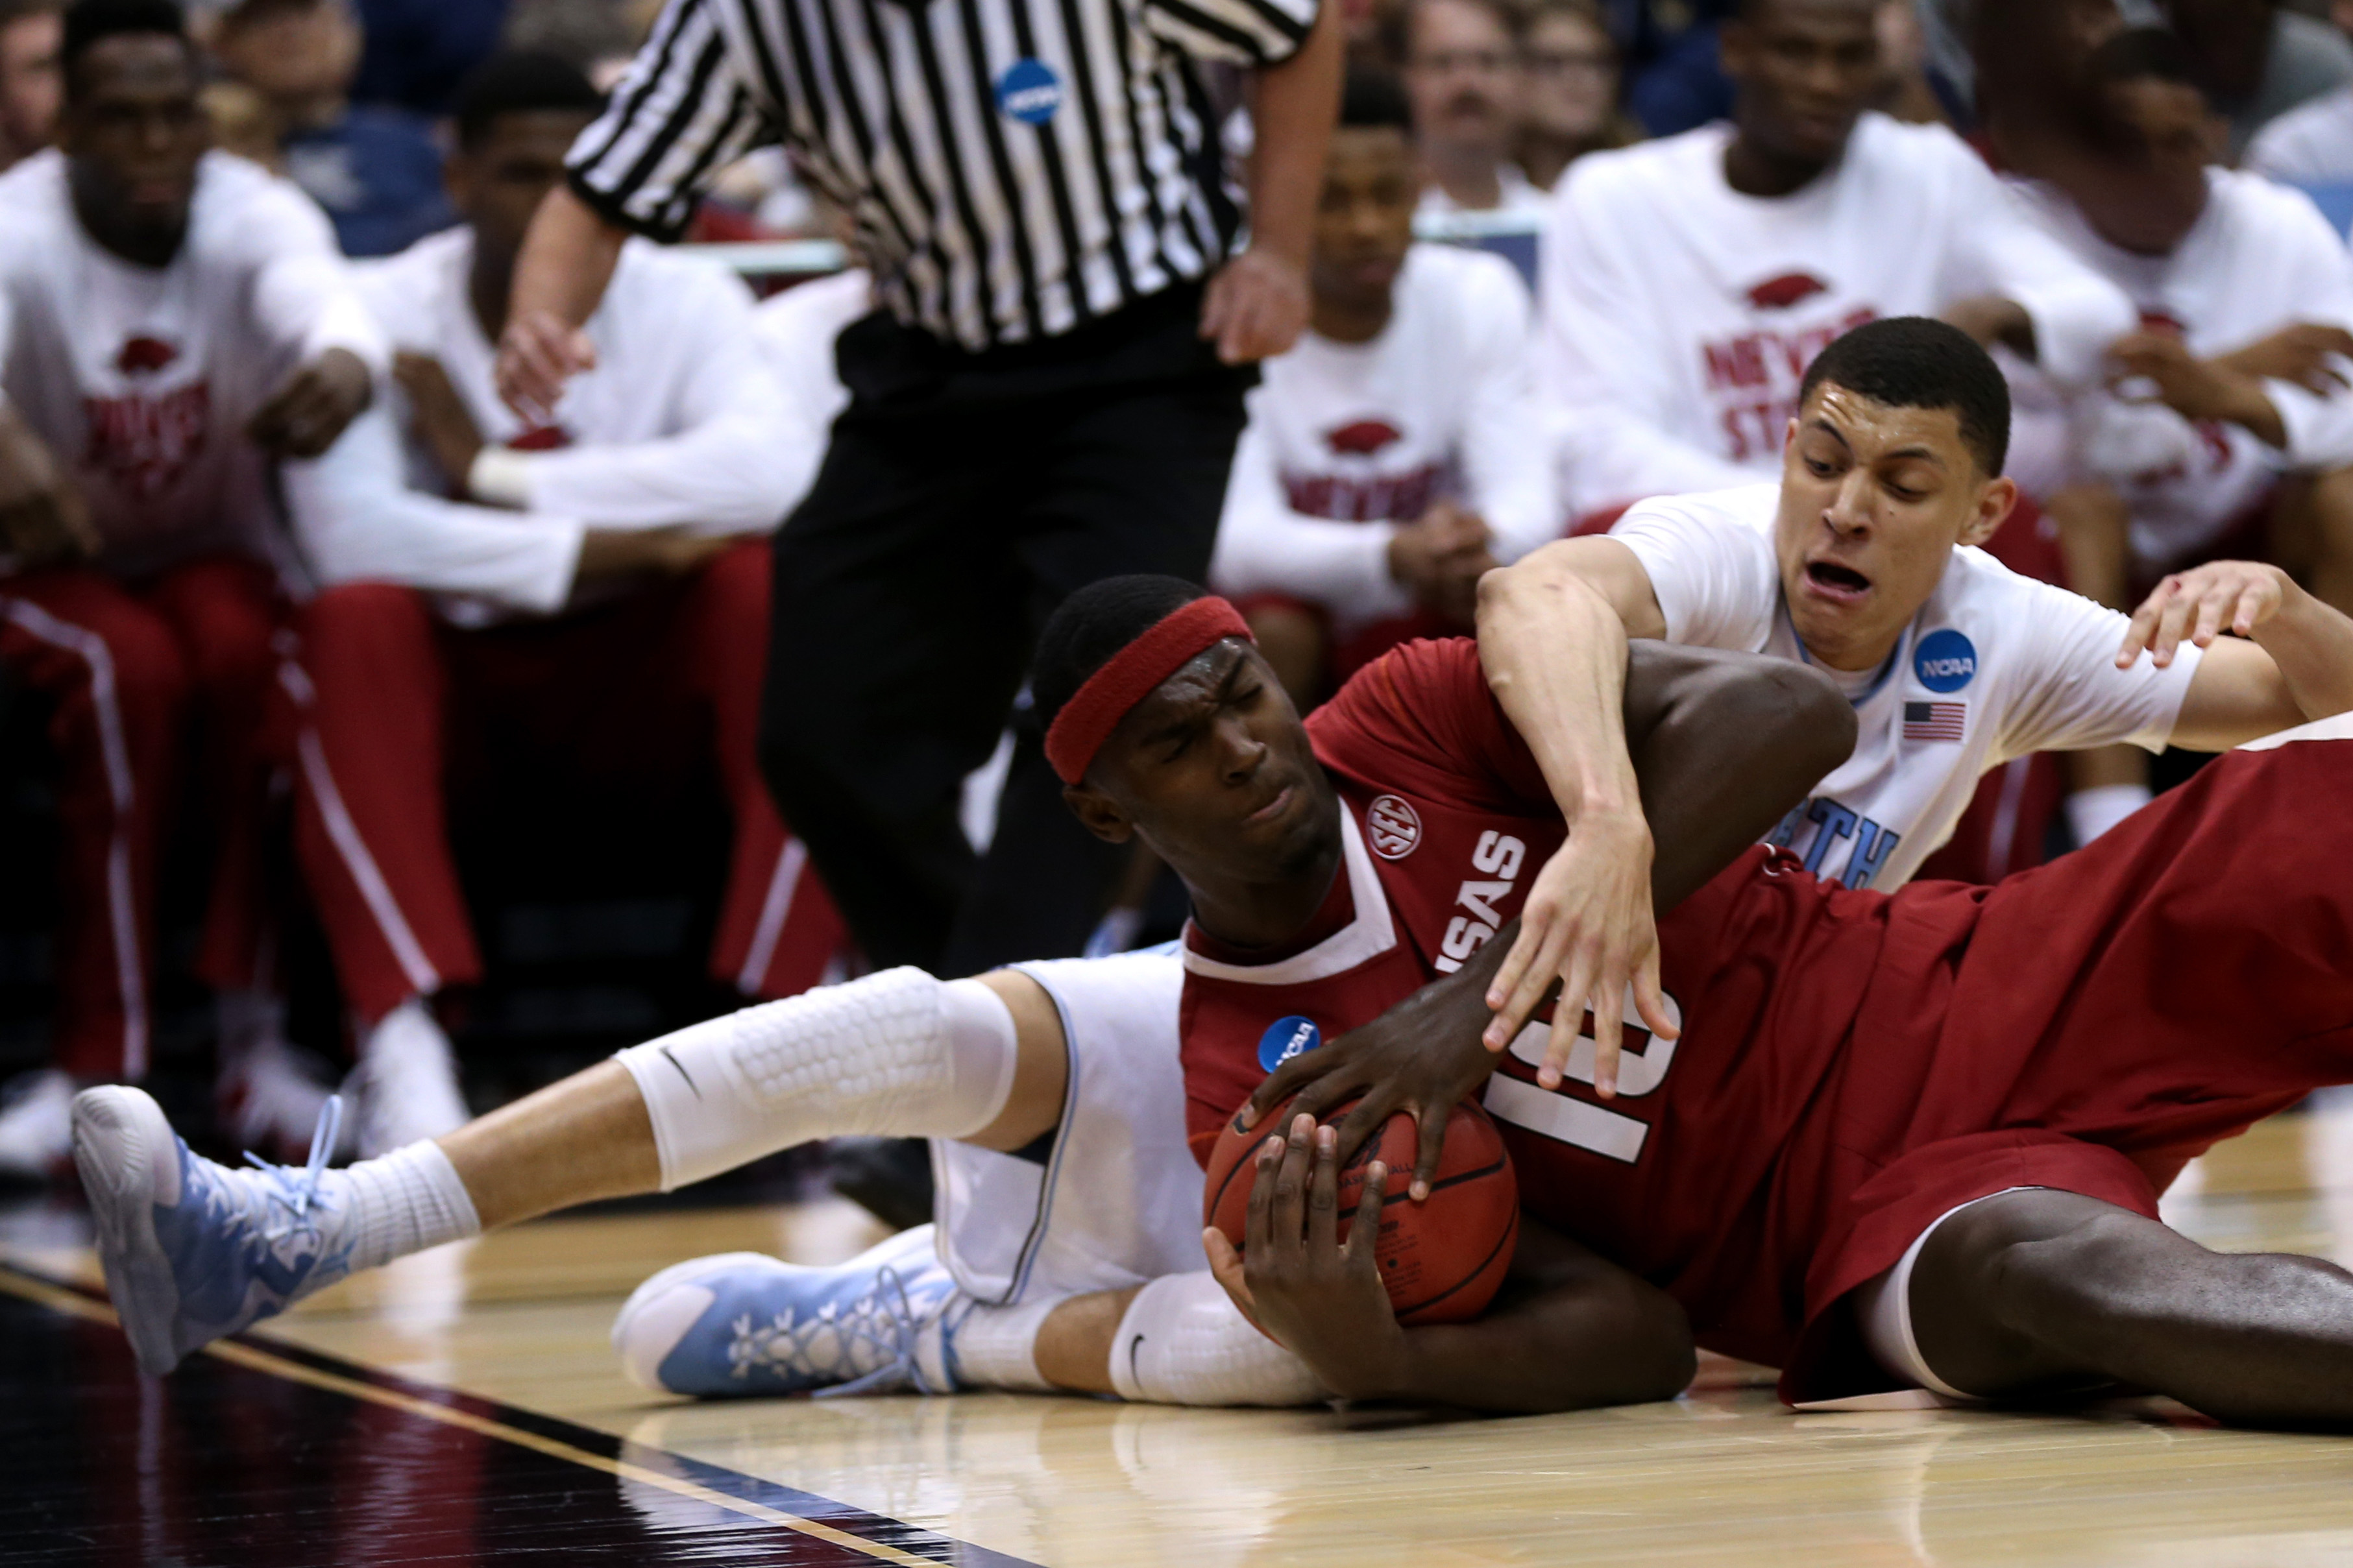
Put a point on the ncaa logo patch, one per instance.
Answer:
(1394, 827)
(1285, 1039)
(1945, 660)
(1029, 92)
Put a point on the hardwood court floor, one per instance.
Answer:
(1724, 1476)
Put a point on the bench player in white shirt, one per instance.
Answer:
(1397, 452)
(1862, 562)
(1686, 283)
(173, 321)
(2246, 296)
(623, 544)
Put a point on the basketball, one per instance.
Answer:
(1442, 1259)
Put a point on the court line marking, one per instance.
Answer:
(59, 1299)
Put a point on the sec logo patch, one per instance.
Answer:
(1945, 660)
(1394, 826)
(1029, 92)
(1285, 1039)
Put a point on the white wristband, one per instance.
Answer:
(500, 476)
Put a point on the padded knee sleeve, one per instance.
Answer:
(1184, 1341)
(897, 1054)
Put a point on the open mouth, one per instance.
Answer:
(1837, 582)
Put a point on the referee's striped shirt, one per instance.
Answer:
(1016, 168)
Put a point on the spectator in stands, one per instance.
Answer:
(418, 51)
(1463, 72)
(597, 592)
(172, 321)
(376, 169)
(29, 32)
(1687, 283)
(2311, 144)
(2237, 378)
(1397, 452)
(1570, 100)
(2256, 59)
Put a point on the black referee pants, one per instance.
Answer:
(962, 498)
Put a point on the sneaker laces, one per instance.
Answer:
(869, 1325)
(288, 1195)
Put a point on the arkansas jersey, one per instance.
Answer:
(1851, 1065)
(2259, 259)
(1680, 315)
(141, 379)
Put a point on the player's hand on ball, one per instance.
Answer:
(1587, 924)
(538, 353)
(315, 406)
(2199, 605)
(1422, 1056)
(1256, 307)
(1320, 1297)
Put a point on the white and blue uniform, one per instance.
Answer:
(1994, 665)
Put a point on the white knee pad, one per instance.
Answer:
(897, 1054)
(1184, 1341)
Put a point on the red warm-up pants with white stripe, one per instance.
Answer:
(397, 710)
(132, 672)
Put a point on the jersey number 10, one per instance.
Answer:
(1562, 1117)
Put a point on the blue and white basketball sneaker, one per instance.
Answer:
(746, 1323)
(192, 1249)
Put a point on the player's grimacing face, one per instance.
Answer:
(1364, 217)
(1215, 773)
(135, 129)
(497, 185)
(1873, 498)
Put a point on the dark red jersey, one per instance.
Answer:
(1849, 1066)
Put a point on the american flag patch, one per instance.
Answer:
(1934, 720)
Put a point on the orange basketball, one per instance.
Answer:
(1442, 1259)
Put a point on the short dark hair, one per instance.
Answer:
(1916, 362)
(519, 81)
(1371, 98)
(89, 22)
(2139, 54)
(1091, 628)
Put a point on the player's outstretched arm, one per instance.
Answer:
(2290, 662)
(1570, 1330)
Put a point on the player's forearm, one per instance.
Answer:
(1554, 650)
(1724, 744)
(2312, 643)
(1292, 114)
(1564, 1347)
(567, 260)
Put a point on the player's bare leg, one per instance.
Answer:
(194, 1250)
(2038, 1291)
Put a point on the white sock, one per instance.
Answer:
(997, 1347)
(2091, 812)
(897, 1055)
(1184, 1341)
(404, 1202)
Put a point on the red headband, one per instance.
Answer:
(1095, 710)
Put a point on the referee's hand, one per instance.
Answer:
(538, 352)
(1256, 308)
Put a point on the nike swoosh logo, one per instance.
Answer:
(683, 1073)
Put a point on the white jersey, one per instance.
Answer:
(1346, 441)
(678, 426)
(1680, 315)
(2258, 259)
(2311, 144)
(1994, 665)
(797, 332)
(141, 379)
